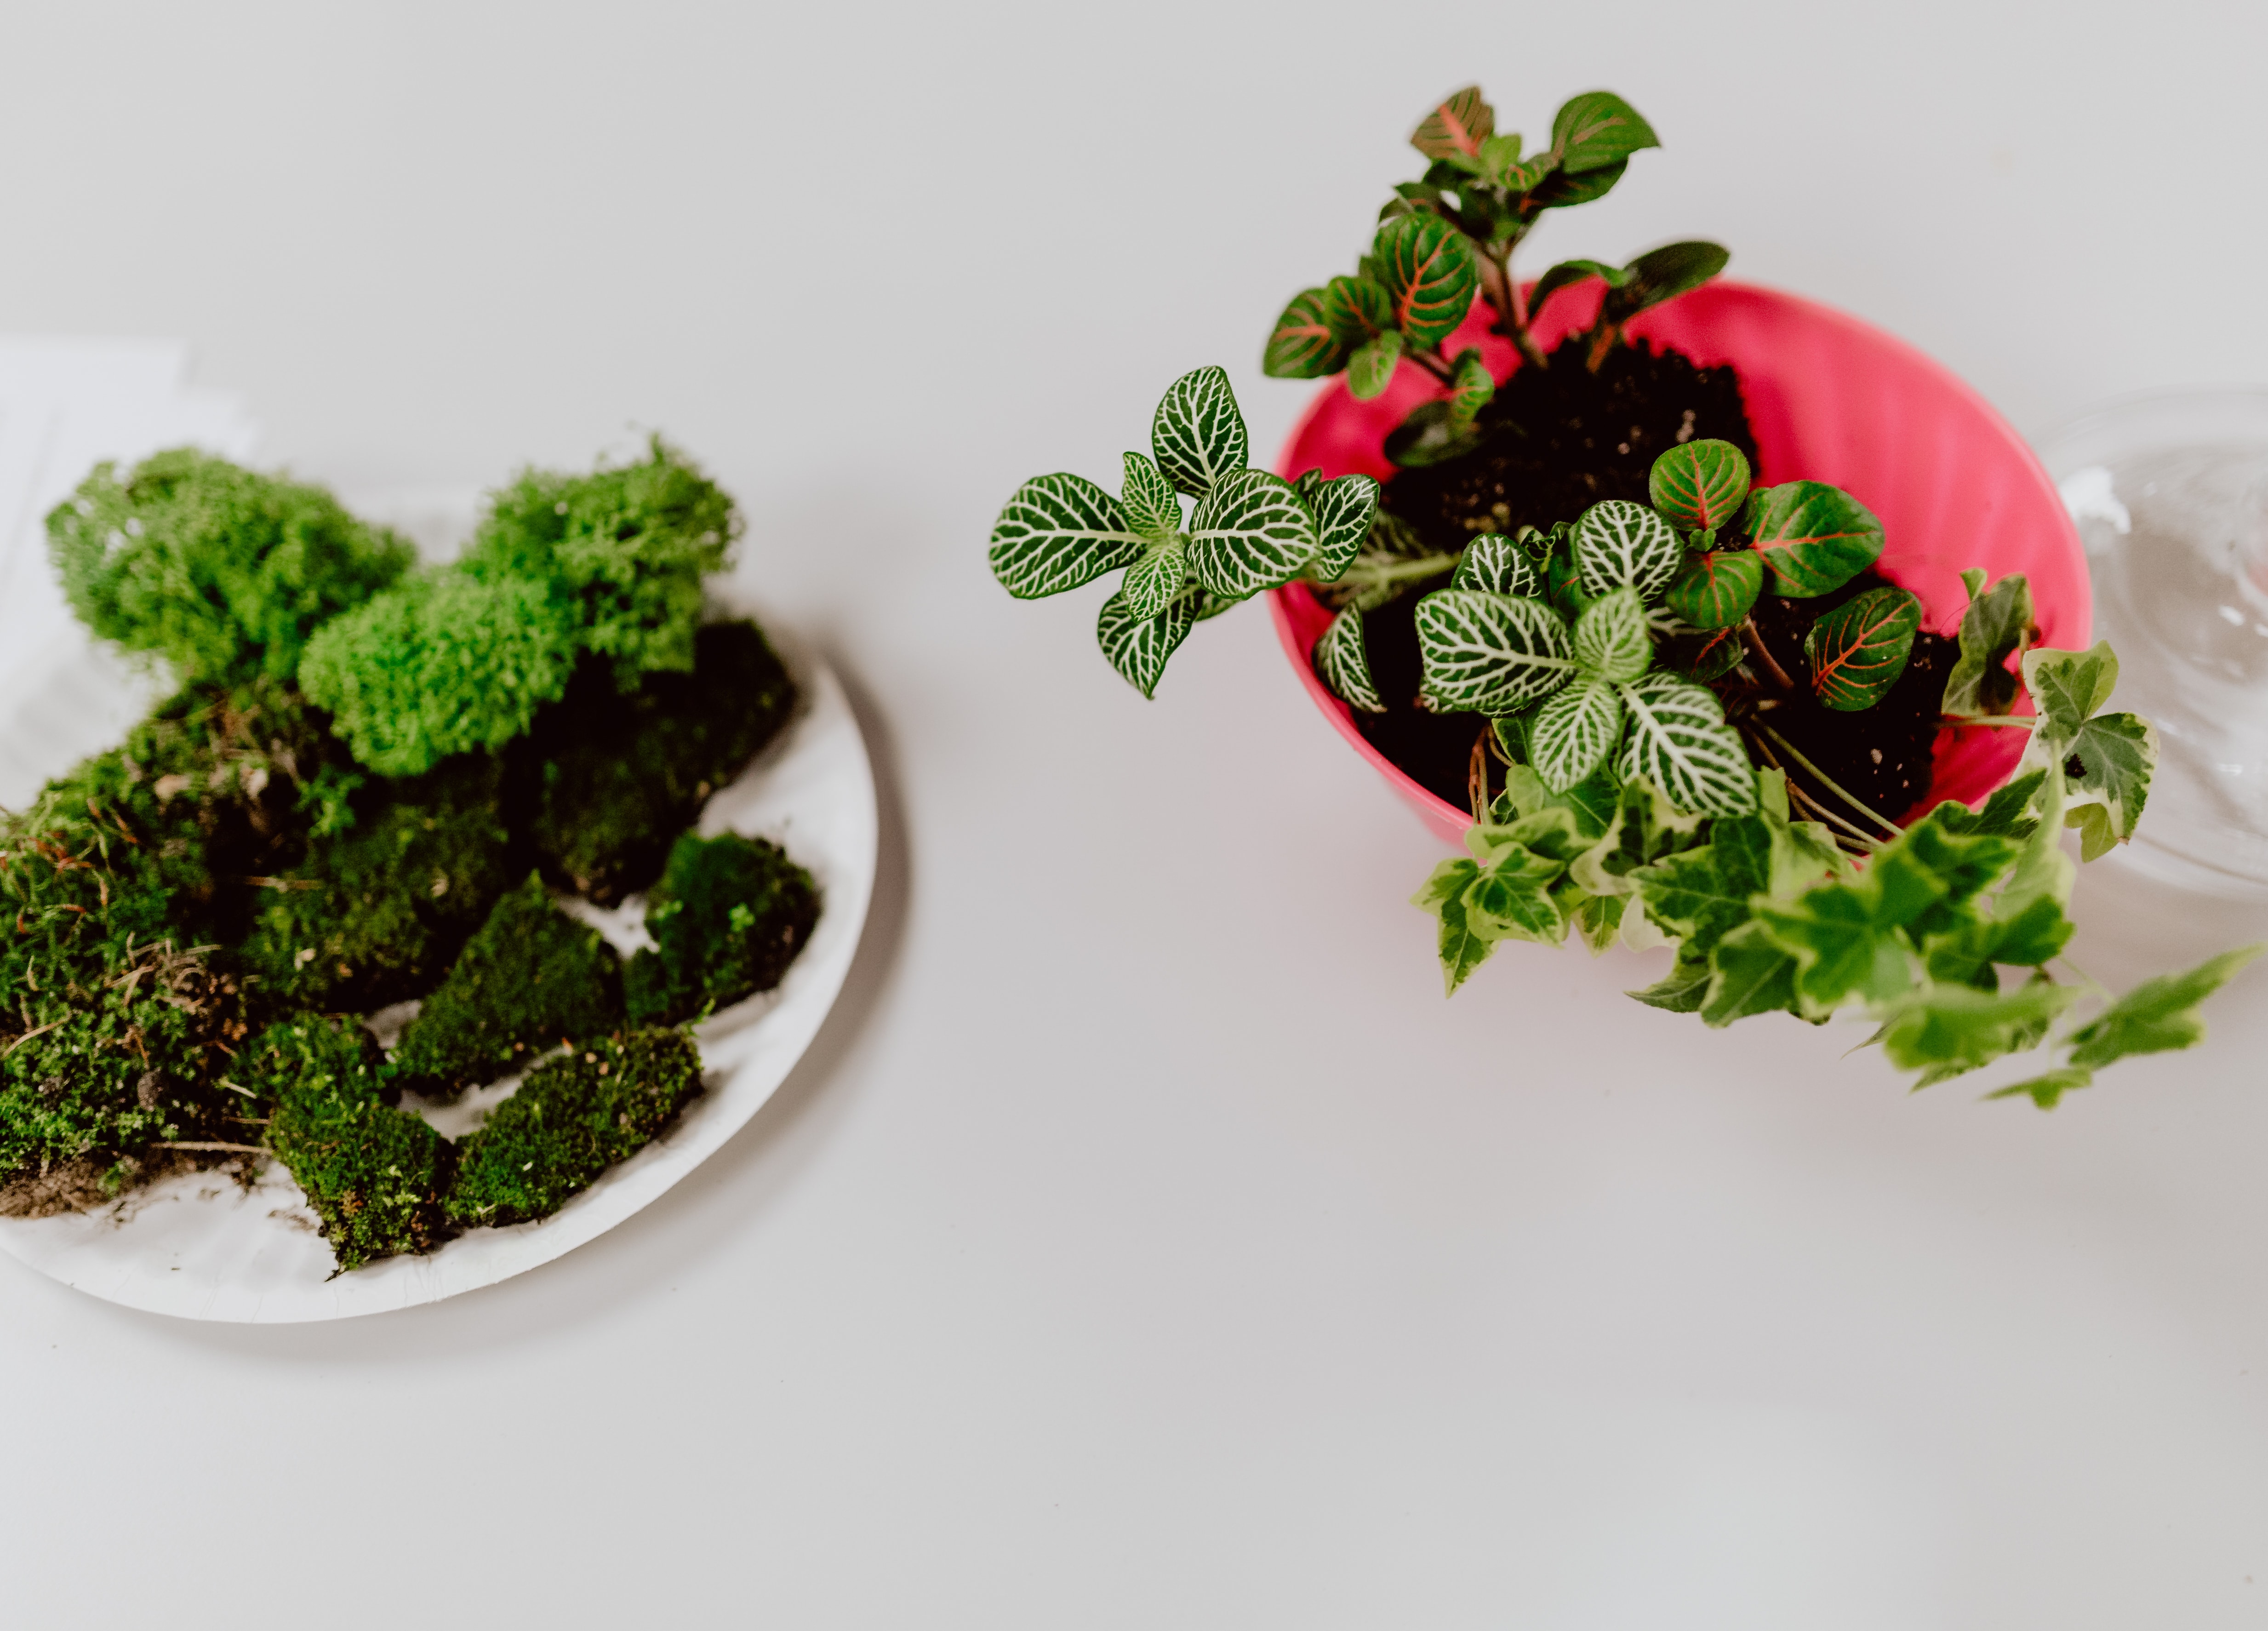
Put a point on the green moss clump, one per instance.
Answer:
(376, 1175)
(531, 977)
(618, 775)
(575, 1116)
(222, 572)
(728, 917)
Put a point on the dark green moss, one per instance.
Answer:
(575, 1116)
(222, 572)
(728, 917)
(376, 1175)
(531, 977)
(617, 775)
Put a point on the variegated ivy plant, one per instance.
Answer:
(1249, 529)
(1451, 235)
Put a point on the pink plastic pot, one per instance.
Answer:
(1831, 399)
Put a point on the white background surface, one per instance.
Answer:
(1144, 1242)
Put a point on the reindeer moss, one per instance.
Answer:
(618, 775)
(222, 572)
(575, 1115)
(728, 917)
(375, 1176)
(531, 975)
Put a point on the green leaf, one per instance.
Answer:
(1677, 739)
(1428, 436)
(1153, 508)
(1344, 664)
(1559, 191)
(2067, 687)
(1995, 625)
(1566, 274)
(1750, 972)
(1595, 129)
(1463, 949)
(1619, 543)
(1699, 485)
(1250, 533)
(1717, 589)
(1643, 828)
(1707, 654)
(1056, 532)
(2036, 932)
(1343, 510)
(2158, 1017)
(1511, 897)
(1858, 651)
(1152, 583)
(1429, 275)
(1703, 894)
(1499, 153)
(1610, 638)
(2107, 770)
(1813, 537)
(1943, 1030)
(1495, 564)
(1489, 653)
(1304, 344)
(1457, 127)
(1573, 732)
(1198, 435)
(1371, 369)
(1358, 309)
(1682, 991)
(2047, 1089)
(2006, 814)
(1471, 389)
(1589, 804)
(1137, 646)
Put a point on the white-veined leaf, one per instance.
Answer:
(1343, 663)
(1153, 507)
(1618, 544)
(1056, 532)
(1250, 533)
(1137, 647)
(1152, 582)
(1572, 733)
(1198, 435)
(1489, 653)
(1676, 736)
(1342, 511)
(1611, 639)
(1495, 564)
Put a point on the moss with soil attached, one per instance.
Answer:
(377, 1177)
(728, 917)
(531, 975)
(575, 1115)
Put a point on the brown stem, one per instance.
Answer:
(1755, 642)
(1477, 774)
(1432, 361)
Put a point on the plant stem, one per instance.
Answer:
(1824, 780)
(1755, 642)
(1848, 832)
(1422, 567)
(1431, 362)
(1477, 773)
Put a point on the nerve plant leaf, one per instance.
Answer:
(1429, 276)
(1560, 190)
(2158, 1017)
(1812, 536)
(1137, 647)
(1457, 126)
(1471, 389)
(1198, 435)
(1858, 651)
(1676, 738)
(1618, 544)
(1595, 129)
(1056, 532)
(1153, 508)
(1304, 344)
(1250, 533)
(1572, 733)
(1661, 275)
(1344, 664)
(1717, 589)
(1699, 485)
(1495, 564)
(1489, 653)
(1152, 583)
(1997, 624)
(1611, 639)
(1371, 369)
(1344, 509)
(1569, 273)
(1358, 309)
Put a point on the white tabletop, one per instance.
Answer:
(1145, 1243)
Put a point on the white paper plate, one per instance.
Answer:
(201, 1247)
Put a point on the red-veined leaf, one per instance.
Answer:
(1699, 483)
(1429, 274)
(1457, 127)
(1858, 651)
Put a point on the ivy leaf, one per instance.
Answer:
(1371, 369)
(2006, 814)
(1619, 543)
(1703, 894)
(1611, 637)
(2047, 1089)
(1304, 344)
(2036, 932)
(1056, 532)
(1858, 651)
(1595, 129)
(1429, 276)
(2107, 768)
(2159, 1015)
(1568, 274)
(1489, 653)
(1750, 972)
(1813, 537)
(1495, 564)
(1137, 646)
(1463, 949)
(1152, 582)
(1683, 990)
(1344, 510)
(1511, 897)
(1457, 127)
(1699, 485)
(1996, 625)
(1589, 804)
(1560, 190)
(1717, 589)
(1677, 739)
(1153, 508)
(1471, 389)
(1344, 664)
(1250, 533)
(1573, 732)
(1198, 435)
(2067, 687)
(1642, 827)
(1943, 1030)
(1661, 275)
